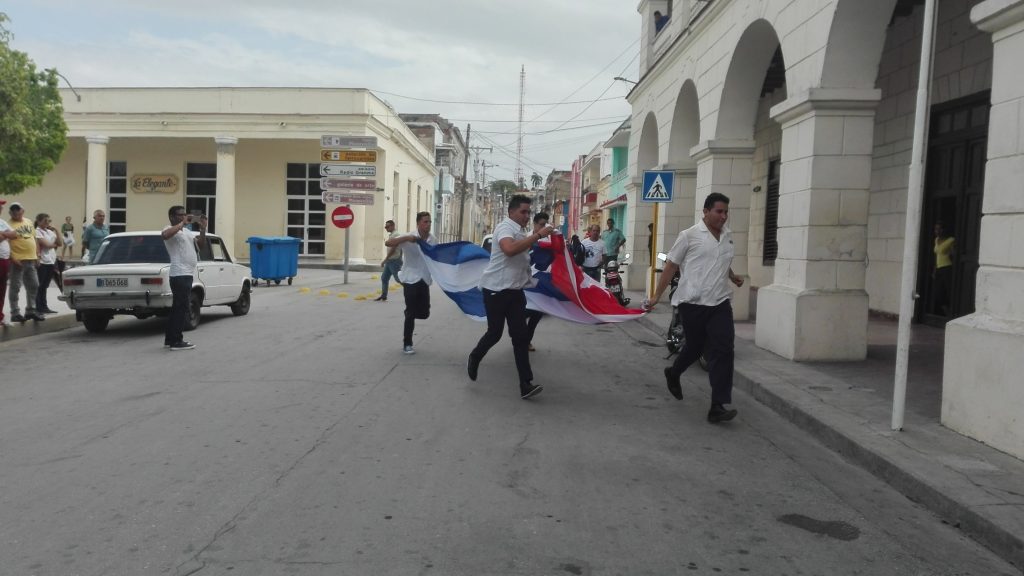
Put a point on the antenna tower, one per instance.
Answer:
(519, 141)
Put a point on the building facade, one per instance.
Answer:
(802, 112)
(249, 158)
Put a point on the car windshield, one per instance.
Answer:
(132, 250)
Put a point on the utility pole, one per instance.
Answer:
(519, 141)
(477, 182)
(465, 178)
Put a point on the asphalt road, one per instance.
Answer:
(300, 440)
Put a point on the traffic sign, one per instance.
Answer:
(347, 170)
(348, 155)
(346, 184)
(357, 198)
(342, 217)
(657, 186)
(341, 142)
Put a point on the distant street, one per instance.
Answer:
(300, 440)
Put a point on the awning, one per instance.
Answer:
(613, 202)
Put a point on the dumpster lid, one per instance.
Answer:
(272, 240)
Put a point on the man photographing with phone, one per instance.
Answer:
(181, 247)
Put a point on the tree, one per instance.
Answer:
(33, 134)
(503, 187)
(535, 179)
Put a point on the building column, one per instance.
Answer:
(639, 214)
(726, 166)
(817, 308)
(982, 395)
(96, 176)
(225, 218)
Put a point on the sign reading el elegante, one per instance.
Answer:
(154, 183)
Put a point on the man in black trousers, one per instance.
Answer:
(703, 254)
(502, 283)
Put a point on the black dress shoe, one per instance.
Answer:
(472, 365)
(529, 390)
(381, 298)
(719, 413)
(35, 316)
(674, 388)
(17, 318)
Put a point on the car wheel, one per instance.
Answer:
(195, 306)
(95, 320)
(289, 281)
(277, 282)
(241, 306)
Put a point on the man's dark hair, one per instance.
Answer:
(518, 200)
(610, 221)
(174, 209)
(421, 216)
(709, 202)
(540, 216)
(386, 222)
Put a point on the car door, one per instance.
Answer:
(211, 271)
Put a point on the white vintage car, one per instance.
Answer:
(129, 275)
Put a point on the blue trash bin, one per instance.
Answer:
(273, 258)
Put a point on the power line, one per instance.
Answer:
(619, 121)
(621, 117)
(487, 103)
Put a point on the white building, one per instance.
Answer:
(247, 157)
(802, 112)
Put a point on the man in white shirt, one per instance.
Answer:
(502, 284)
(703, 254)
(6, 233)
(392, 263)
(181, 246)
(594, 248)
(414, 276)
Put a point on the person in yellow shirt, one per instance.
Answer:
(943, 273)
(23, 265)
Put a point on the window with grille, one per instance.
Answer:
(306, 212)
(771, 215)
(201, 191)
(117, 196)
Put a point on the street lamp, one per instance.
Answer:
(621, 79)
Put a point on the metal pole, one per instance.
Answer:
(346, 254)
(912, 228)
(465, 177)
(654, 250)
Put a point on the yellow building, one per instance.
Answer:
(249, 158)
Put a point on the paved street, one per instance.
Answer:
(299, 440)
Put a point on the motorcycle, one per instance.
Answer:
(613, 282)
(676, 338)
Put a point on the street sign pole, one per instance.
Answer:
(347, 228)
(654, 250)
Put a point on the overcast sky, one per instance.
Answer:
(451, 50)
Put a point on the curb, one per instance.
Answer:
(899, 464)
(51, 324)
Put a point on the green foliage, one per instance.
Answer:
(33, 134)
(503, 186)
(535, 179)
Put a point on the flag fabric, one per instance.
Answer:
(562, 289)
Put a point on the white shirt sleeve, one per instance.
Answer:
(678, 251)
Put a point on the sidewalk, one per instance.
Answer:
(847, 406)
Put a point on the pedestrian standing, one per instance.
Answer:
(503, 281)
(703, 254)
(93, 235)
(47, 242)
(181, 247)
(24, 259)
(67, 233)
(391, 264)
(593, 247)
(414, 276)
(613, 241)
(6, 233)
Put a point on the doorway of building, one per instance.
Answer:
(201, 191)
(951, 218)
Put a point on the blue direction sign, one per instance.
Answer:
(657, 186)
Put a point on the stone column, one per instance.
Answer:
(817, 308)
(96, 176)
(225, 218)
(726, 166)
(982, 394)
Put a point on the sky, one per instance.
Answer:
(465, 53)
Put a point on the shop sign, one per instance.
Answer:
(154, 183)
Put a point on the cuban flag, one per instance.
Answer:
(562, 289)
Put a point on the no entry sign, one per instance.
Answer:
(342, 217)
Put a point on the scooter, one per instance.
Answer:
(613, 282)
(676, 338)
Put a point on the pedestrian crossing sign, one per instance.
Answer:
(657, 186)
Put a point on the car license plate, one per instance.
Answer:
(112, 282)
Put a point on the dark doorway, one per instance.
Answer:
(953, 189)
